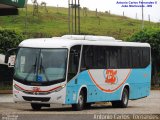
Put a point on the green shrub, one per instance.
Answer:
(9, 39)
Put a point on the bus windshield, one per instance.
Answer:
(41, 65)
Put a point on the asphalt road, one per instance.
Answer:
(142, 108)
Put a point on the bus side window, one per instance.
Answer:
(146, 56)
(107, 60)
(141, 57)
(113, 58)
(101, 57)
(87, 58)
(136, 57)
(124, 58)
(119, 57)
(96, 56)
(73, 61)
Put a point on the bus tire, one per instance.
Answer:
(81, 102)
(36, 106)
(123, 103)
(88, 105)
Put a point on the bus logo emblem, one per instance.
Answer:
(111, 76)
(36, 89)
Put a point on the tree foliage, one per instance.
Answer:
(9, 39)
(151, 36)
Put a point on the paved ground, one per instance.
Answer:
(149, 105)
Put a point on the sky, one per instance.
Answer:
(152, 7)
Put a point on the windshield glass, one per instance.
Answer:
(40, 65)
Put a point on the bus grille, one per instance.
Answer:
(42, 99)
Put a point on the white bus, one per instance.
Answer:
(80, 70)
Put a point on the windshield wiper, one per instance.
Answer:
(30, 71)
(42, 69)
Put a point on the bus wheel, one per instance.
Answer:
(88, 105)
(81, 102)
(36, 106)
(123, 103)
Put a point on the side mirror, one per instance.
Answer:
(10, 57)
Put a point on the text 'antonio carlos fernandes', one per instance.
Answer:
(135, 3)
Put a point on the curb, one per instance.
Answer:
(5, 91)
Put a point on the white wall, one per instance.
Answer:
(2, 57)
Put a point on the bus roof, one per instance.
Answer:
(67, 42)
(89, 37)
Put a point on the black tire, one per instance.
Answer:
(123, 103)
(36, 106)
(88, 105)
(115, 104)
(81, 102)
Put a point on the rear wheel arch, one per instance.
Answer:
(127, 87)
(123, 102)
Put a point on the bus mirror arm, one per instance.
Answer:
(6, 58)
